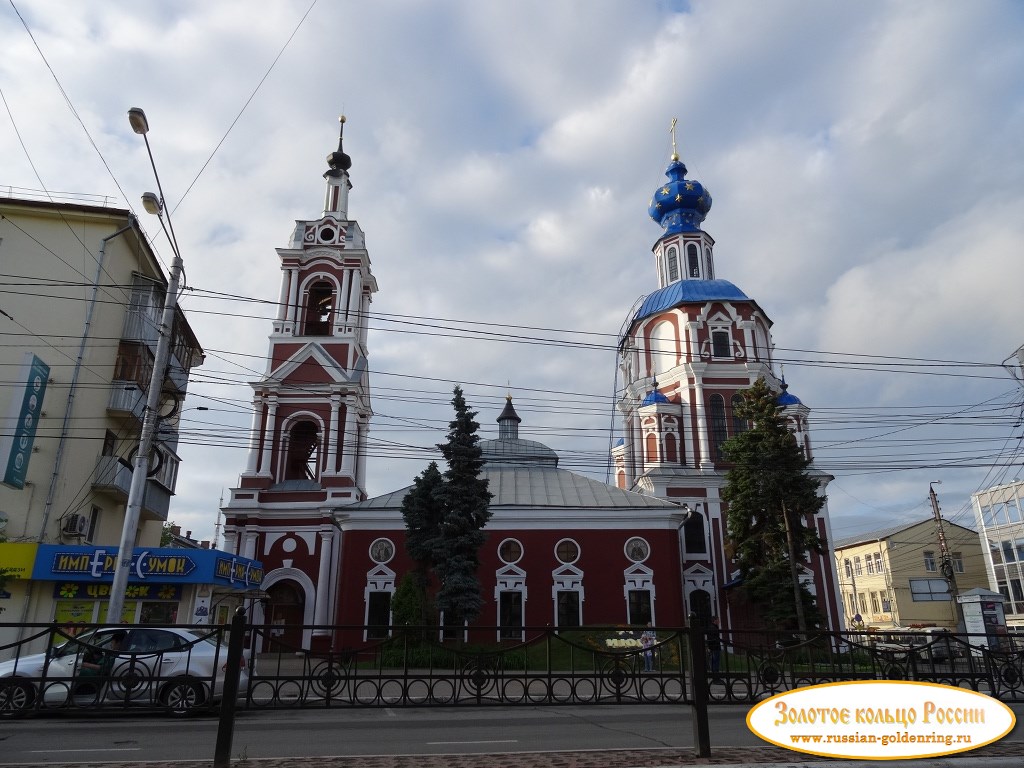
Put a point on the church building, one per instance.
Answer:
(562, 549)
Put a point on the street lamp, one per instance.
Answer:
(153, 204)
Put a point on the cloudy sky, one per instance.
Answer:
(866, 162)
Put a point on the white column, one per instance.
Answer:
(323, 582)
(348, 448)
(703, 438)
(293, 298)
(254, 437)
(231, 542)
(360, 448)
(332, 437)
(282, 300)
(342, 313)
(249, 544)
(268, 438)
(356, 294)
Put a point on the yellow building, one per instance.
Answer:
(893, 577)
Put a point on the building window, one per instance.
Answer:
(958, 561)
(719, 426)
(568, 602)
(510, 551)
(378, 615)
(929, 590)
(721, 346)
(862, 599)
(886, 604)
(134, 363)
(510, 615)
(639, 607)
(848, 567)
(879, 568)
(637, 549)
(693, 535)
(1013, 511)
(929, 562)
(869, 564)
(693, 260)
(710, 265)
(857, 570)
(1009, 555)
(567, 551)
(875, 606)
(673, 265)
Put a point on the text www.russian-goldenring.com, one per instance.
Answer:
(885, 739)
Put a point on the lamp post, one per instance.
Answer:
(155, 205)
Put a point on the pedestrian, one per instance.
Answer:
(714, 645)
(647, 641)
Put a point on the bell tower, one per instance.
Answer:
(311, 411)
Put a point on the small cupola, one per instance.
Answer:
(338, 182)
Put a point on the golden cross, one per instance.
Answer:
(672, 130)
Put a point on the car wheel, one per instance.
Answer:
(16, 698)
(183, 697)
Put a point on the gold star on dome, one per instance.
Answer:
(689, 186)
(679, 198)
(664, 190)
(657, 205)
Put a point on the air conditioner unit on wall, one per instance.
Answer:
(74, 525)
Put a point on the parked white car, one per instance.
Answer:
(174, 668)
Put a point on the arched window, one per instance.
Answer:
(673, 265)
(693, 260)
(719, 426)
(670, 449)
(738, 425)
(303, 460)
(709, 268)
(663, 348)
(319, 309)
(652, 447)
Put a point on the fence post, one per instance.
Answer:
(699, 687)
(226, 725)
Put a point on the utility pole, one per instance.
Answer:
(947, 570)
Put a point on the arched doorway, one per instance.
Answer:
(285, 607)
(700, 605)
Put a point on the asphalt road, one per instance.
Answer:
(406, 731)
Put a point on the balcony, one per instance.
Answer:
(127, 398)
(114, 477)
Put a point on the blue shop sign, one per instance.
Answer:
(55, 562)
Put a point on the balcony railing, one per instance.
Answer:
(114, 476)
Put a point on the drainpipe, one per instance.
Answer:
(48, 506)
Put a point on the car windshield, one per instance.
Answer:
(79, 643)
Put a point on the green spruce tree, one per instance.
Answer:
(466, 504)
(423, 510)
(771, 496)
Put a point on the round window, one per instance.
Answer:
(327, 234)
(510, 551)
(637, 549)
(567, 551)
(382, 550)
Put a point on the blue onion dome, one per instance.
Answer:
(786, 399)
(681, 204)
(654, 396)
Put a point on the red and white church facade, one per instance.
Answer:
(561, 549)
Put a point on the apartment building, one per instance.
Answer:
(79, 316)
(1000, 517)
(892, 577)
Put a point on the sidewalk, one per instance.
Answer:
(1000, 755)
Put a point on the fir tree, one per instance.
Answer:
(770, 497)
(422, 510)
(466, 504)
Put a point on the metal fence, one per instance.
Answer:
(186, 669)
